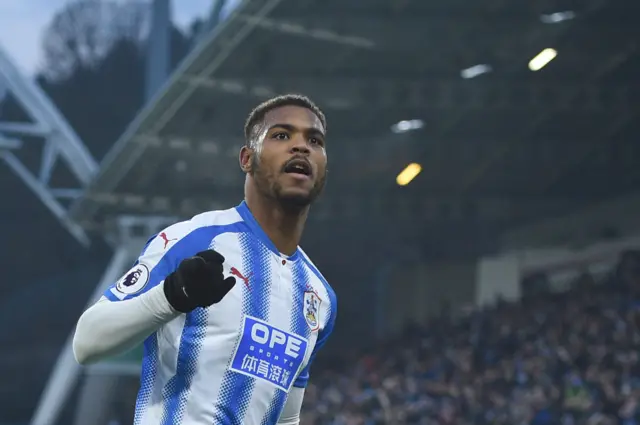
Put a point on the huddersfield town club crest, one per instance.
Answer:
(312, 310)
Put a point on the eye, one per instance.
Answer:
(280, 136)
(316, 141)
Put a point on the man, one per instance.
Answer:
(230, 309)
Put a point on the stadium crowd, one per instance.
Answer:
(553, 358)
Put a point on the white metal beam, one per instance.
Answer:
(6, 143)
(321, 33)
(345, 206)
(45, 195)
(60, 143)
(446, 94)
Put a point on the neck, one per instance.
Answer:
(283, 227)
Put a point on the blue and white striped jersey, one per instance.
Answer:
(234, 362)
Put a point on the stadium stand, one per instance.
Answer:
(562, 354)
(401, 81)
(551, 358)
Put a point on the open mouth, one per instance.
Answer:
(299, 167)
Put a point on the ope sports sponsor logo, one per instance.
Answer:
(268, 353)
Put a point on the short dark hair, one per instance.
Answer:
(259, 112)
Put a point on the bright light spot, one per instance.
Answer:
(408, 174)
(475, 71)
(407, 125)
(554, 18)
(542, 59)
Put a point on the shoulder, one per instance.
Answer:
(186, 238)
(196, 233)
(226, 217)
(163, 252)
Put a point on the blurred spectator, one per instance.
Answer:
(569, 359)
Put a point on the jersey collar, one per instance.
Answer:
(255, 228)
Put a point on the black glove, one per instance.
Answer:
(198, 282)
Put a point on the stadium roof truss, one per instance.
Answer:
(360, 61)
(59, 142)
(369, 65)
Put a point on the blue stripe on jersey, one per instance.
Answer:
(252, 223)
(236, 389)
(299, 327)
(323, 335)
(299, 324)
(275, 408)
(188, 246)
(147, 376)
(176, 390)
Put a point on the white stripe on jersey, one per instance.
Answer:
(234, 362)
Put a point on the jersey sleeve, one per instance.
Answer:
(160, 257)
(303, 377)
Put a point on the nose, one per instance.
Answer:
(300, 146)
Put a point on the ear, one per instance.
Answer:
(246, 153)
